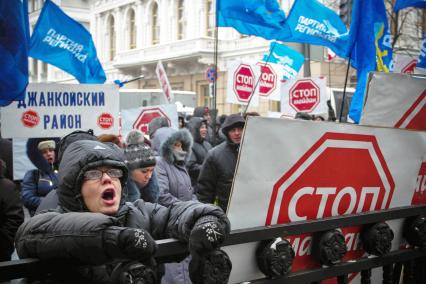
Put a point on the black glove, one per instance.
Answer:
(129, 243)
(206, 235)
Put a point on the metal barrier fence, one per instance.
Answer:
(412, 260)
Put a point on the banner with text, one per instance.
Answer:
(308, 95)
(55, 110)
(282, 180)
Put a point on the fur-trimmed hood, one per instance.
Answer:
(166, 148)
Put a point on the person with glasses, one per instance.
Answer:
(96, 228)
(39, 182)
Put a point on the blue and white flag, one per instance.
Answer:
(63, 42)
(313, 23)
(421, 62)
(263, 18)
(13, 50)
(369, 47)
(290, 60)
(402, 4)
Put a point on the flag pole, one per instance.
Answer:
(216, 49)
(344, 89)
(258, 79)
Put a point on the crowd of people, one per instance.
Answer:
(97, 199)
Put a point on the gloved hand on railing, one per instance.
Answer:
(129, 243)
(207, 234)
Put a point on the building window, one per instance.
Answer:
(181, 24)
(155, 24)
(210, 18)
(131, 28)
(111, 38)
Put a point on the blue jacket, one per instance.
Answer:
(34, 189)
(37, 183)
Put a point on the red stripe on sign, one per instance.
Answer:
(411, 109)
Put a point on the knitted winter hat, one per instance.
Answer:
(137, 154)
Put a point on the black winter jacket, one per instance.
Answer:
(11, 216)
(199, 149)
(217, 173)
(72, 233)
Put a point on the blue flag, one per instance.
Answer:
(369, 47)
(312, 22)
(13, 50)
(402, 4)
(61, 41)
(263, 18)
(290, 60)
(421, 62)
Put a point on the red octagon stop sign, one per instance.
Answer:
(244, 82)
(304, 96)
(145, 117)
(322, 184)
(268, 80)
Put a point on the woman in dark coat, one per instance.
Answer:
(94, 226)
(199, 131)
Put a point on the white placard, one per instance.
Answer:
(326, 169)
(308, 95)
(164, 82)
(139, 118)
(395, 100)
(55, 110)
(242, 78)
(404, 64)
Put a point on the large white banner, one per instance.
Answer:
(242, 78)
(308, 95)
(139, 118)
(293, 170)
(55, 110)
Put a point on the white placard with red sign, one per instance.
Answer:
(404, 64)
(395, 100)
(139, 118)
(242, 78)
(55, 110)
(164, 82)
(308, 95)
(307, 170)
(270, 82)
